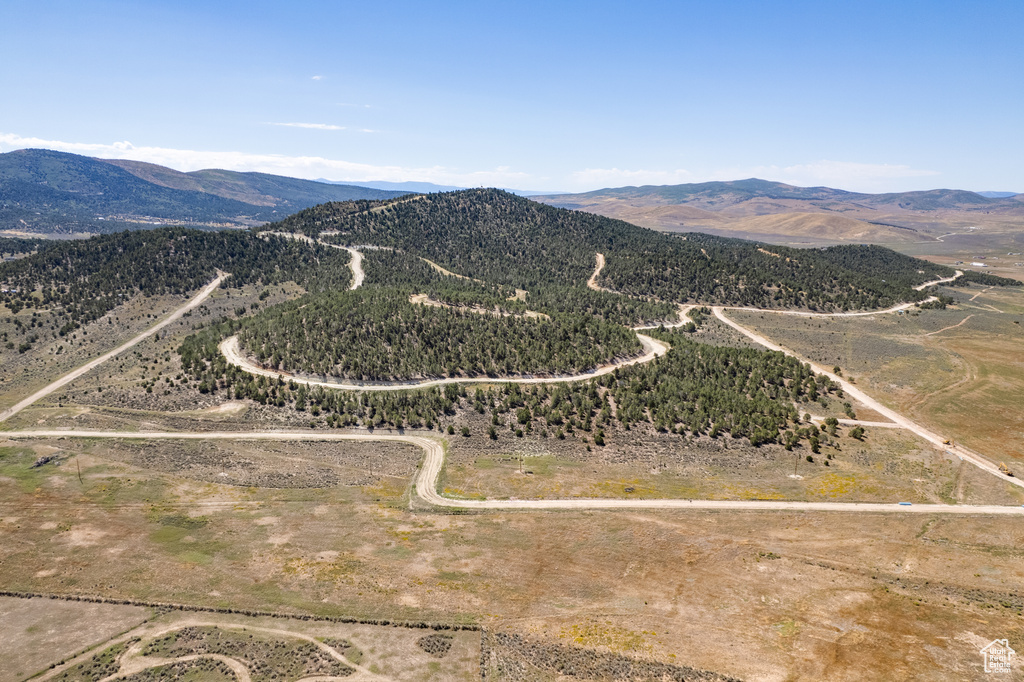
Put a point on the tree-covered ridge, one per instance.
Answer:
(722, 271)
(512, 241)
(11, 246)
(378, 335)
(83, 279)
(485, 234)
(984, 279)
(694, 390)
(387, 267)
(49, 191)
(698, 388)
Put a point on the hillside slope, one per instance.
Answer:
(512, 241)
(730, 207)
(53, 192)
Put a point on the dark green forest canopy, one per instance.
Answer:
(694, 390)
(373, 335)
(985, 279)
(698, 388)
(717, 270)
(508, 240)
(81, 280)
(10, 246)
(509, 244)
(389, 268)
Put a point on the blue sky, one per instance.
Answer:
(869, 96)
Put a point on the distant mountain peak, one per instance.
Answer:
(48, 191)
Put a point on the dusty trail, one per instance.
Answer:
(92, 364)
(426, 300)
(355, 265)
(867, 400)
(132, 662)
(893, 309)
(141, 663)
(231, 350)
(978, 294)
(592, 282)
(426, 480)
(941, 280)
(446, 272)
(952, 326)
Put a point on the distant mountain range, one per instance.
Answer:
(429, 187)
(44, 191)
(413, 187)
(760, 208)
(48, 192)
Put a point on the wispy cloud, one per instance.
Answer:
(317, 78)
(310, 167)
(311, 126)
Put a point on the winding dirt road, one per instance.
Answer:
(895, 308)
(426, 480)
(898, 420)
(231, 350)
(941, 280)
(356, 265)
(592, 282)
(92, 364)
(867, 400)
(433, 461)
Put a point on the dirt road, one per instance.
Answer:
(356, 265)
(426, 300)
(867, 400)
(231, 350)
(895, 308)
(74, 374)
(952, 326)
(592, 282)
(430, 470)
(941, 280)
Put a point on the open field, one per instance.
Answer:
(35, 633)
(151, 360)
(959, 370)
(889, 465)
(805, 595)
(338, 530)
(204, 645)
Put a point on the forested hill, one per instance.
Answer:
(80, 280)
(45, 191)
(506, 239)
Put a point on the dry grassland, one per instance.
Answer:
(331, 529)
(965, 380)
(37, 632)
(178, 644)
(753, 595)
